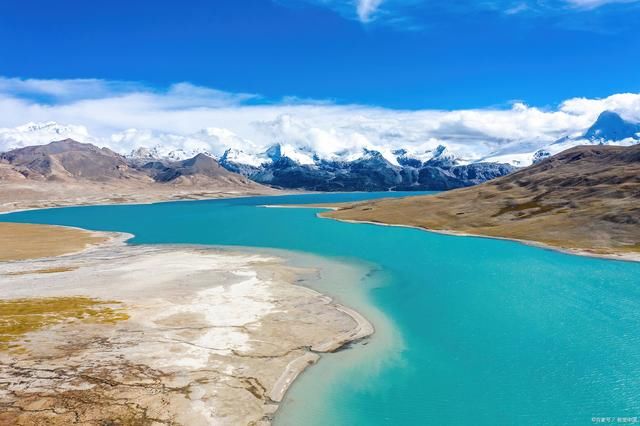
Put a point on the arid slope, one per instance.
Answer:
(586, 198)
(72, 173)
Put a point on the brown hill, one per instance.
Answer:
(194, 171)
(68, 172)
(68, 159)
(586, 198)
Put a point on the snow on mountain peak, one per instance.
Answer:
(159, 152)
(443, 157)
(540, 155)
(299, 155)
(144, 153)
(611, 127)
(238, 156)
(150, 145)
(309, 144)
(40, 134)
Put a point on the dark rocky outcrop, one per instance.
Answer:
(371, 172)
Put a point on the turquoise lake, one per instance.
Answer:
(476, 331)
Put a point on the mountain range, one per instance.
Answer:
(372, 171)
(439, 169)
(282, 165)
(69, 160)
(287, 166)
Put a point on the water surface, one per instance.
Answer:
(472, 330)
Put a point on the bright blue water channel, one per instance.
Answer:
(486, 332)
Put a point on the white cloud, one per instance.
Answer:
(126, 115)
(63, 90)
(367, 8)
(626, 104)
(414, 15)
(592, 4)
(71, 90)
(365, 11)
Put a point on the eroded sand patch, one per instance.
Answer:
(21, 316)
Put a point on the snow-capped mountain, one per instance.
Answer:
(40, 134)
(299, 155)
(609, 129)
(442, 157)
(373, 157)
(144, 153)
(359, 165)
(272, 154)
(369, 171)
(404, 159)
(151, 145)
(238, 156)
(160, 153)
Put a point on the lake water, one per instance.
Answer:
(470, 330)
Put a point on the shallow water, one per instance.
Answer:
(470, 330)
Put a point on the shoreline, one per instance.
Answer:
(224, 196)
(362, 330)
(623, 257)
(116, 241)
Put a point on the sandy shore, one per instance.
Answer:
(179, 335)
(20, 196)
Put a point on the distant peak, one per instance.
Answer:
(67, 141)
(442, 157)
(611, 127)
(203, 156)
(440, 150)
(145, 153)
(609, 114)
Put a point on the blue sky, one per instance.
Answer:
(402, 54)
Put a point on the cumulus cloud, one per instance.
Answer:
(125, 116)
